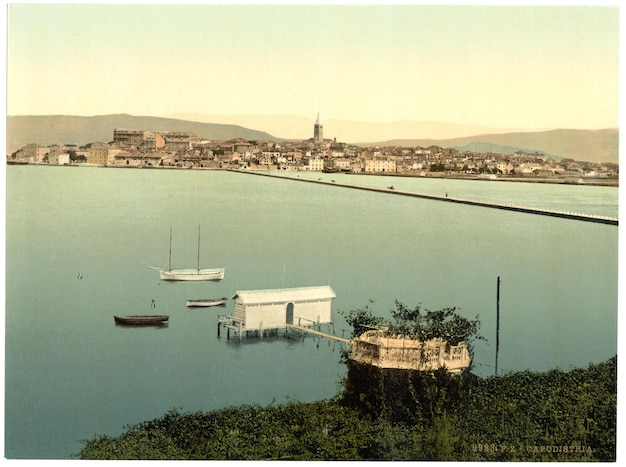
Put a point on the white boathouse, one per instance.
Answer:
(260, 310)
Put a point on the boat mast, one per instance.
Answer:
(170, 261)
(198, 249)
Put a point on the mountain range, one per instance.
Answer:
(67, 129)
(581, 145)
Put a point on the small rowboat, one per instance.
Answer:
(142, 320)
(206, 302)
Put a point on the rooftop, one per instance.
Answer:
(297, 294)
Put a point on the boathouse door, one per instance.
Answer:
(290, 313)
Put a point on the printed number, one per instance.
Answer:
(492, 448)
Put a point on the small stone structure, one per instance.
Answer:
(377, 348)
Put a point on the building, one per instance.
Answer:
(137, 159)
(318, 131)
(180, 139)
(58, 158)
(102, 154)
(152, 140)
(28, 153)
(275, 308)
(314, 164)
(380, 165)
(140, 139)
(126, 137)
(379, 349)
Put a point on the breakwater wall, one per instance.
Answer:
(449, 199)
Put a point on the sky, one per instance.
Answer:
(516, 66)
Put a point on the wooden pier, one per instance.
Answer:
(318, 333)
(449, 199)
(226, 321)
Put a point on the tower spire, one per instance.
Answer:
(318, 130)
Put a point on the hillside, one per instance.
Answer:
(580, 145)
(64, 129)
(347, 131)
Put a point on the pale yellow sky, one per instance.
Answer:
(506, 66)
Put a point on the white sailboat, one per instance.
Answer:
(169, 274)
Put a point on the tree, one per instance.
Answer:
(362, 319)
(418, 324)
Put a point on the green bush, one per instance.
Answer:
(524, 416)
(389, 414)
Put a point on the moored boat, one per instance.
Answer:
(169, 274)
(206, 302)
(192, 274)
(142, 320)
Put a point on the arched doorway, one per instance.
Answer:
(289, 319)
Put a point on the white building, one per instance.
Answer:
(58, 158)
(379, 165)
(275, 308)
(316, 164)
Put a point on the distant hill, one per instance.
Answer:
(499, 149)
(64, 129)
(580, 145)
(347, 131)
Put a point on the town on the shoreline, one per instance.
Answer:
(164, 149)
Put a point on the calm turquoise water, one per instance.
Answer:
(71, 373)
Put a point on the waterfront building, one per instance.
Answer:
(315, 164)
(258, 310)
(102, 154)
(58, 158)
(380, 165)
(137, 159)
(29, 153)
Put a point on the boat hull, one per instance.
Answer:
(142, 320)
(206, 302)
(192, 274)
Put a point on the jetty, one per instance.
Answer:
(449, 199)
(319, 333)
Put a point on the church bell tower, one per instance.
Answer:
(318, 130)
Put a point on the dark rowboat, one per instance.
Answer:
(142, 320)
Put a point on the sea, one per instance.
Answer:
(80, 242)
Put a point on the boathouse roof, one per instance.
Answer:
(297, 294)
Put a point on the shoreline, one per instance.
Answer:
(614, 182)
(581, 181)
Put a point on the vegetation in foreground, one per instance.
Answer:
(400, 415)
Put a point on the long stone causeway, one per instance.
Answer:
(449, 199)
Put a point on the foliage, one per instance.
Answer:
(446, 324)
(391, 414)
(362, 319)
(422, 325)
(524, 416)
(403, 396)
